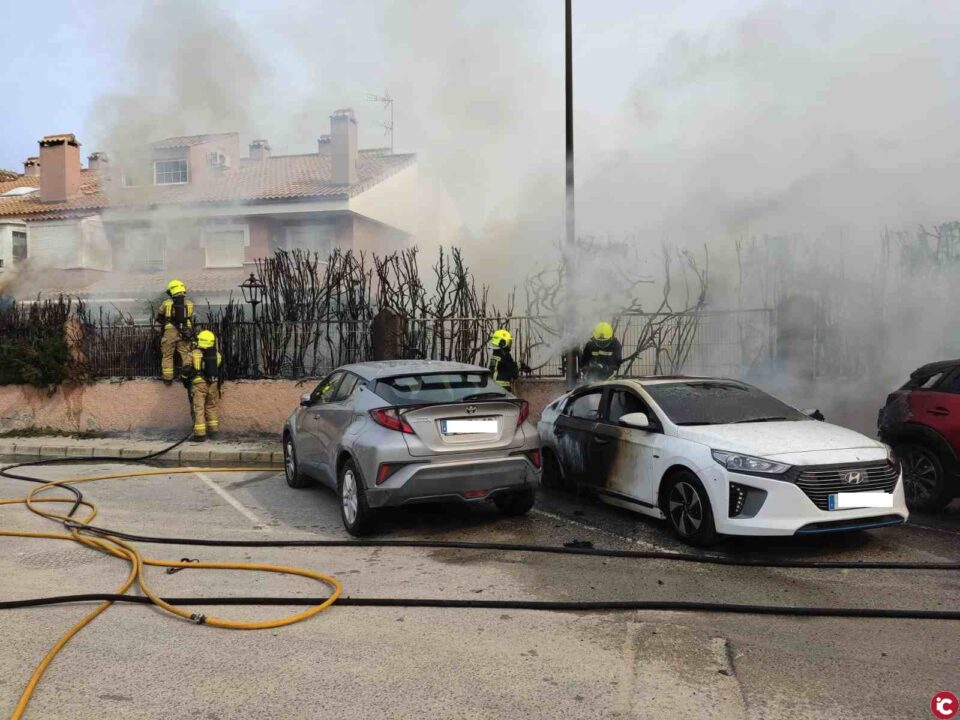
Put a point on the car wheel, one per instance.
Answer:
(550, 475)
(688, 510)
(291, 468)
(517, 503)
(924, 479)
(357, 517)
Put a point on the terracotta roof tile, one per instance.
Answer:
(281, 177)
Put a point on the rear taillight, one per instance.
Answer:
(391, 419)
(524, 412)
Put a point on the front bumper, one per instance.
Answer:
(787, 510)
(460, 480)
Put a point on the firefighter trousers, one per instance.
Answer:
(170, 343)
(205, 405)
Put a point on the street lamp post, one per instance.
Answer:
(571, 239)
(253, 292)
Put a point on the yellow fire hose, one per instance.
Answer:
(120, 549)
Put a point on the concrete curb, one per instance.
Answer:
(208, 455)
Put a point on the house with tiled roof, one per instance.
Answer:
(191, 207)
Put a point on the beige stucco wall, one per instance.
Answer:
(255, 406)
(144, 405)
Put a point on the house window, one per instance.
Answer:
(225, 247)
(144, 251)
(312, 237)
(19, 247)
(171, 172)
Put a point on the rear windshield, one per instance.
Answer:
(432, 388)
(719, 403)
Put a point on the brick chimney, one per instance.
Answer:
(97, 162)
(259, 150)
(60, 158)
(31, 167)
(343, 141)
(323, 146)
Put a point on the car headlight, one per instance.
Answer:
(892, 457)
(748, 463)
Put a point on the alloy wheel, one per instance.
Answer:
(919, 475)
(349, 497)
(685, 508)
(289, 460)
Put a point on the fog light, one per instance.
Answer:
(471, 494)
(738, 496)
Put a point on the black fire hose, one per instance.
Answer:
(552, 605)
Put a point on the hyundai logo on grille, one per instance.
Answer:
(854, 477)
(471, 409)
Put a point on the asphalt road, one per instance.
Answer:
(137, 662)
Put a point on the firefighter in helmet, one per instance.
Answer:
(202, 378)
(602, 355)
(176, 319)
(503, 368)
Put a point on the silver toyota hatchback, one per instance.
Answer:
(391, 433)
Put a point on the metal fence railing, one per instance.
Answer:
(711, 343)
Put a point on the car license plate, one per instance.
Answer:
(849, 501)
(479, 426)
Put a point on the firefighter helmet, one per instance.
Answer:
(603, 332)
(206, 339)
(501, 339)
(176, 287)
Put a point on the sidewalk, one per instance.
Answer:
(264, 451)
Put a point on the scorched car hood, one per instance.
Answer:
(780, 440)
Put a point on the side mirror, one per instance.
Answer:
(306, 400)
(813, 413)
(637, 420)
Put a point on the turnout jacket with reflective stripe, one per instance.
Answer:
(503, 367)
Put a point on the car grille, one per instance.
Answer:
(819, 481)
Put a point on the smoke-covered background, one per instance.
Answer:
(819, 136)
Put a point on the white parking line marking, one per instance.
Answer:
(233, 502)
(624, 538)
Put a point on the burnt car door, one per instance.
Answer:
(627, 458)
(573, 430)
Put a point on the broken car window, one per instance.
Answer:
(586, 406)
(719, 403)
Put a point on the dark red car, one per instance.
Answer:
(921, 421)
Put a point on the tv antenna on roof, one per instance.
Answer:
(387, 103)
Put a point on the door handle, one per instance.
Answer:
(600, 440)
(938, 411)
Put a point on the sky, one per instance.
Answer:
(310, 57)
(696, 121)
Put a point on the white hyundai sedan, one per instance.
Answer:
(718, 457)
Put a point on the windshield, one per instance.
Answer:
(432, 388)
(718, 403)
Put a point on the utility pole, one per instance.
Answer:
(571, 239)
(387, 102)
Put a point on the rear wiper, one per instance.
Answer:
(759, 419)
(483, 396)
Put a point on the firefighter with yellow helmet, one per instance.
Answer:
(201, 376)
(176, 319)
(503, 368)
(602, 355)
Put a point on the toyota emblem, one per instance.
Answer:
(471, 409)
(854, 477)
